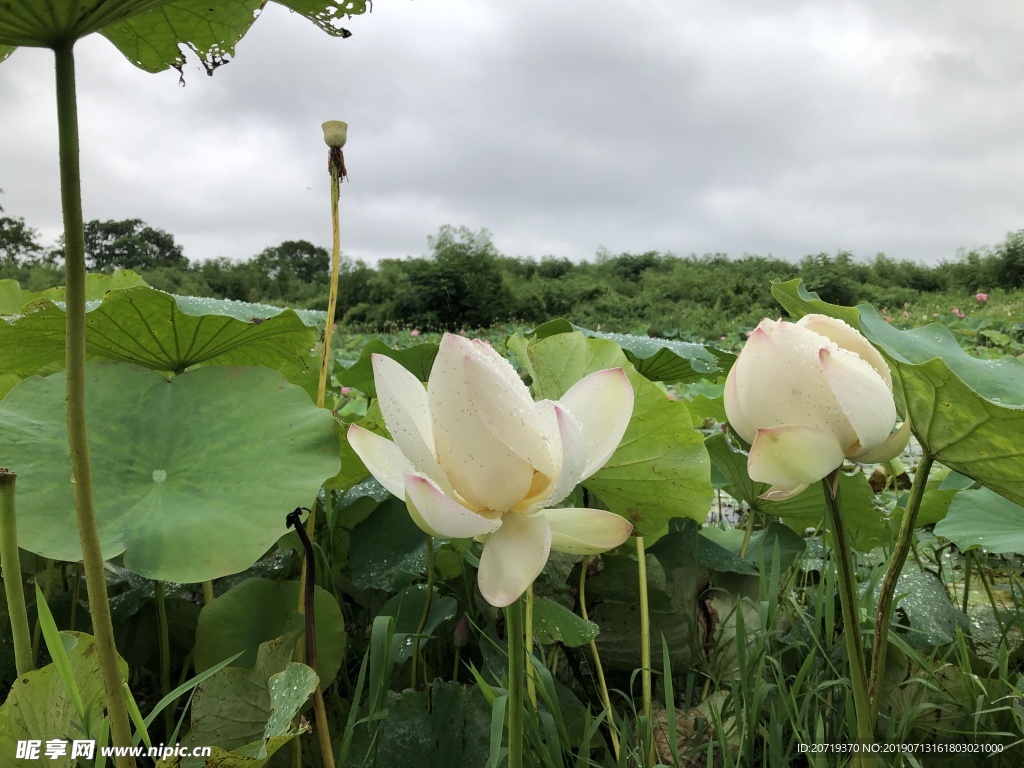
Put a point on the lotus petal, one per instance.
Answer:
(862, 394)
(382, 457)
(602, 403)
(582, 531)
(849, 338)
(793, 455)
(481, 467)
(440, 515)
(513, 556)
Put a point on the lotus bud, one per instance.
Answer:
(335, 133)
(807, 396)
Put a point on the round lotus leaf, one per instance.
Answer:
(193, 476)
(258, 610)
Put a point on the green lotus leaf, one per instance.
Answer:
(13, 297)
(149, 32)
(163, 332)
(407, 610)
(661, 469)
(967, 413)
(418, 360)
(246, 714)
(193, 476)
(258, 610)
(39, 706)
(554, 623)
(657, 359)
(983, 519)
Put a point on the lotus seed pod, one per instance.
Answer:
(335, 133)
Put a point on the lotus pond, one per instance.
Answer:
(716, 634)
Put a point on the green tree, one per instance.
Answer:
(298, 259)
(18, 241)
(130, 244)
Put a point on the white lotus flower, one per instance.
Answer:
(474, 456)
(808, 395)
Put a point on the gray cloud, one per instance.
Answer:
(773, 127)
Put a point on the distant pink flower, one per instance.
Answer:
(958, 313)
(935, 314)
(888, 319)
(982, 297)
(414, 333)
(345, 390)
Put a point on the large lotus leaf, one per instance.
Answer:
(149, 32)
(39, 705)
(983, 519)
(258, 610)
(418, 360)
(657, 359)
(163, 332)
(246, 714)
(13, 297)
(966, 413)
(193, 476)
(407, 609)
(554, 623)
(660, 469)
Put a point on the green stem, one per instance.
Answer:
(645, 643)
(747, 532)
(207, 592)
(163, 640)
(531, 687)
(851, 613)
(991, 600)
(883, 614)
(10, 567)
(516, 681)
(81, 471)
(969, 562)
(426, 608)
(605, 698)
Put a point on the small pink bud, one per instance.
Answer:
(345, 390)
(414, 333)
(982, 297)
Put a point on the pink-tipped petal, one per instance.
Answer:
(847, 337)
(513, 556)
(440, 515)
(863, 396)
(793, 455)
(382, 457)
(403, 403)
(582, 531)
(484, 471)
(602, 403)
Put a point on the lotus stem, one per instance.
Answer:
(605, 698)
(163, 640)
(645, 646)
(81, 470)
(851, 614)
(323, 731)
(208, 596)
(10, 568)
(883, 614)
(516, 681)
(531, 685)
(426, 609)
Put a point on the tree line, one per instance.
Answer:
(464, 282)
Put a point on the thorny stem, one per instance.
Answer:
(883, 614)
(10, 567)
(851, 613)
(81, 471)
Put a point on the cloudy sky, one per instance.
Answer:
(781, 127)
